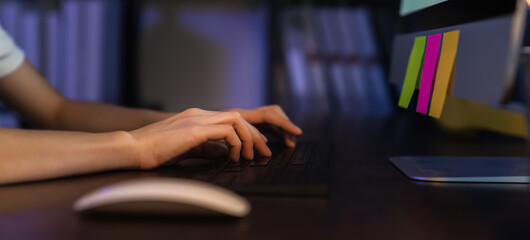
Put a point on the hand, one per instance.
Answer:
(272, 119)
(183, 132)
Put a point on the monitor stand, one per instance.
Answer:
(464, 168)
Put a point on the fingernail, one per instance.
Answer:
(299, 129)
(264, 138)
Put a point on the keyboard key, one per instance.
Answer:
(301, 159)
(260, 162)
(283, 157)
(237, 166)
(214, 169)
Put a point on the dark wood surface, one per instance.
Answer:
(370, 199)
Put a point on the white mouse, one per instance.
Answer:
(164, 196)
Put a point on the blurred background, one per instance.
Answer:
(307, 56)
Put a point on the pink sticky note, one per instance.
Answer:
(427, 74)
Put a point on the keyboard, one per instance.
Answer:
(300, 171)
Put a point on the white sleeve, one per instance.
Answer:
(11, 57)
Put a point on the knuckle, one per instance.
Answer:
(234, 115)
(192, 110)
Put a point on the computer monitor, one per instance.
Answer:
(487, 55)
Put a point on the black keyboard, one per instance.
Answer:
(300, 171)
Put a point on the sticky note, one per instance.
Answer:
(427, 74)
(413, 69)
(444, 73)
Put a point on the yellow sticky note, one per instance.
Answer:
(444, 74)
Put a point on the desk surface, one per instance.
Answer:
(370, 199)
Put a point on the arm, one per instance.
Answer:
(156, 138)
(36, 154)
(27, 155)
(26, 91)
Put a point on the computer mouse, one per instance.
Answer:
(165, 196)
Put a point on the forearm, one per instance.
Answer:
(27, 155)
(99, 117)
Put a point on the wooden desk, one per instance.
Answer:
(370, 199)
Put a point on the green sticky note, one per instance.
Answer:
(413, 70)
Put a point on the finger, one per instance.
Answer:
(268, 128)
(227, 133)
(263, 137)
(274, 118)
(272, 114)
(195, 112)
(287, 138)
(277, 109)
(259, 143)
(238, 123)
(290, 140)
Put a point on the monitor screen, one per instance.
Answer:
(410, 6)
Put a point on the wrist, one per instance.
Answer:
(129, 154)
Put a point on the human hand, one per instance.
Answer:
(274, 120)
(164, 140)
